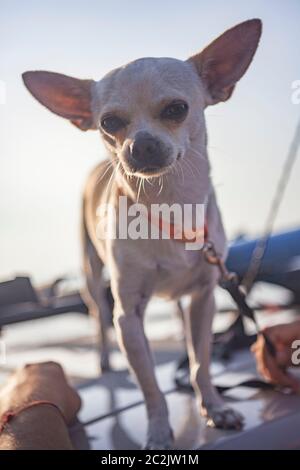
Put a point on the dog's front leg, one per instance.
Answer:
(128, 319)
(199, 339)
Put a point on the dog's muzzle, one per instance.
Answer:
(148, 154)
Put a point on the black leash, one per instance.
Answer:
(229, 281)
(183, 383)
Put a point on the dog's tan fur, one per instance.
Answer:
(140, 268)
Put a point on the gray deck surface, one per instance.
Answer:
(113, 414)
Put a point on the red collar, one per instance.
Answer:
(200, 234)
(196, 235)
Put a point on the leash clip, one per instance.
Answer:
(212, 257)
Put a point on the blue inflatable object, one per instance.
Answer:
(280, 264)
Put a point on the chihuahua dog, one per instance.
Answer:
(150, 114)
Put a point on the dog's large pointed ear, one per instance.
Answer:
(222, 63)
(66, 96)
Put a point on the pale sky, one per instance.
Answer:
(44, 160)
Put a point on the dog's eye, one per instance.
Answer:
(175, 111)
(112, 124)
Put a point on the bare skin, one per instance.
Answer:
(42, 427)
(275, 369)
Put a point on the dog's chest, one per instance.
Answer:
(172, 255)
(177, 268)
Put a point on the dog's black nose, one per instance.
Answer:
(146, 150)
(149, 153)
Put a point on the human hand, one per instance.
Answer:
(274, 369)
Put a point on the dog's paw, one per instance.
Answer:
(159, 437)
(223, 417)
